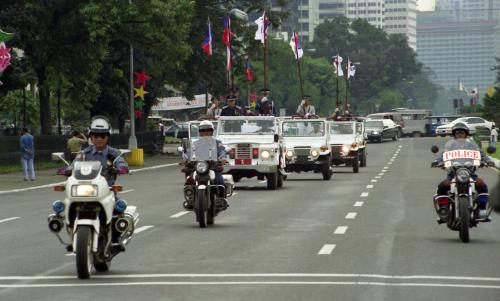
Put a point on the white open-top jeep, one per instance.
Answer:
(348, 145)
(306, 146)
(254, 148)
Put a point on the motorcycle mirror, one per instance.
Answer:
(491, 149)
(434, 149)
(276, 138)
(58, 157)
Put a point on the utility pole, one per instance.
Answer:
(132, 141)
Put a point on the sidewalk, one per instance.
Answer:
(44, 177)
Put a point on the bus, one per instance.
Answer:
(412, 121)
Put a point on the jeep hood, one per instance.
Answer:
(342, 139)
(291, 142)
(231, 139)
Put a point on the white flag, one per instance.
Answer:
(351, 69)
(337, 64)
(295, 44)
(262, 24)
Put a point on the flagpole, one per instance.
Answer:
(346, 78)
(298, 66)
(337, 80)
(265, 52)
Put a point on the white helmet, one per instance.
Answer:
(205, 125)
(100, 124)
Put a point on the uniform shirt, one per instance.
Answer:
(265, 106)
(227, 111)
(27, 144)
(109, 153)
(307, 110)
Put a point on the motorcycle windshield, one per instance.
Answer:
(86, 170)
(461, 152)
(204, 149)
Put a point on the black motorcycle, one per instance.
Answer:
(201, 196)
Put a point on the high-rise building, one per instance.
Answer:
(458, 49)
(401, 17)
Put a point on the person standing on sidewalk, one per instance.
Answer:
(27, 144)
(494, 136)
(75, 143)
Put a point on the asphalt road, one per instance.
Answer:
(367, 236)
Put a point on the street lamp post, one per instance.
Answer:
(132, 141)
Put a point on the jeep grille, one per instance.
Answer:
(243, 151)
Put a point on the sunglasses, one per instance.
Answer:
(99, 135)
(205, 130)
(460, 132)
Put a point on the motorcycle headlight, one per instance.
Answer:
(201, 167)
(84, 190)
(314, 153)
(265, 154)
(289, 154)
(463, 175)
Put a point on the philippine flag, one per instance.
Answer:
(207, 42)
(248, 71)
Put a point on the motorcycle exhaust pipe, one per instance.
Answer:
(56, 223)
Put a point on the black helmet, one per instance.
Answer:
(460, 126)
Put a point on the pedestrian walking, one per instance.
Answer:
(27, 144)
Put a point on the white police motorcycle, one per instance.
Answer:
(98, 224)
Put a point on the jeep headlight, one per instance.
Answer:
(463, 175)
(289, 154)
(265, 154)
(201, 167)
(345, 149)
(84, 190)
(375, 132)
(314, 153)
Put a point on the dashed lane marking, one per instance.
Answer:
(381, 174)
(127, 191)
(351, 215)
(341, 230)
(378, 177)
(179, 214)
(326, 250)
(153, 167)
(369, 186)
(9, 219)
(141, 229)
(374, 181)
(358, 204)
(364, 194)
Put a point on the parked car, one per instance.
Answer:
(471, 122)
(178, 130)
(378, 130)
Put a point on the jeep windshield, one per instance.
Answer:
(247, 127)
(303, 128)
(376, 125)
(341, 129)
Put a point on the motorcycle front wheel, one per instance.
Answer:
(201, 211)
(463, 210)
(84, 252)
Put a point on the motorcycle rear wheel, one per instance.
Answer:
(463, 210)
(84, 252)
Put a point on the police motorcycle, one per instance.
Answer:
(98, 224)
(202, 196)
(463, 211)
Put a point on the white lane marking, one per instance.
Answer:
(9, 219)
(226, 283)
(70, 254)
(374, 181)
(143, 228)
(179, 214)
(326, 250)
(235, 193)
(369, 186)
(495, 169)
(381, 174)
(127, 191)
(358, 204)
(394, 157)
(341, 230)
(378, 177)
(261, 275)
(265, 181)
(383, 171)
(390, 163)
(386, 167)
(351, 215)
(30, 188)
(153, 167)
(364, 194)
(59, 183)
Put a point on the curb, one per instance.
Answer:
(496, 161)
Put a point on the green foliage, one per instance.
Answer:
(492, 104)
(11, 108)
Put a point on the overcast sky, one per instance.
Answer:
(425, 4)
